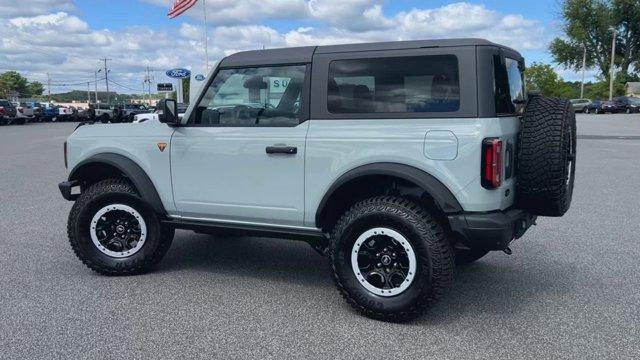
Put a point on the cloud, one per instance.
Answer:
(46, 40)
(10, 9)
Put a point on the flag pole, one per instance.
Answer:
(206, 41)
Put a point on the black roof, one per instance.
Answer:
(305, 54)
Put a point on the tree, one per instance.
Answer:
(13, 81)
(35, 88)
(542, 78)
(587, 25)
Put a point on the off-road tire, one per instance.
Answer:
(467, 256)
(546, 157)
(108, 192)
(434, 256)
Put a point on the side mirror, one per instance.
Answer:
(170, 112)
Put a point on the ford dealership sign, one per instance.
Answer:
(178, 73)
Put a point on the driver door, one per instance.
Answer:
(240, 157)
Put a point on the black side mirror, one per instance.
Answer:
(170, 112)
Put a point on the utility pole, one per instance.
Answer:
(49, 86)
(88, 93)
(147, 80)
(613, 58)
(584, 66)
(106, 78)
(96, 83)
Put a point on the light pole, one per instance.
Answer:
(613, 58)
(584, 66)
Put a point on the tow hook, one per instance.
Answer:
(507, 250)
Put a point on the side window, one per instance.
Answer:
(259, 96)
(508, 86)
(394, 85)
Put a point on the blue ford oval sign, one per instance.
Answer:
(178, 73)
(200, 77)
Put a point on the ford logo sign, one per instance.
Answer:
(178, 73)
(199, 77)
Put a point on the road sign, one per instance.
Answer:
(166, 87)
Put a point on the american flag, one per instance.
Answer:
(180, 6)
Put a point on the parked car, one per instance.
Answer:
(129, 111)
(345, 162)
(7, 113)
(627, 104)
(24, 113)
(157, 115)
(103, 113)
(580, 105)
(49, 112)
(65, 113)
(608, 107)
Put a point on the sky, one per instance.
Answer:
(66, 38)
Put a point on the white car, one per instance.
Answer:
(154, 118)
(23, 111)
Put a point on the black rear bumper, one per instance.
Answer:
(490, 231)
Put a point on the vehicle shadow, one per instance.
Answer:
(494, 285)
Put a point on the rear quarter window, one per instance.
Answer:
(414, 84)
(509, 87)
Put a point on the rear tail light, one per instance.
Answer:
(2, 111)
(492, 163)
(21, 110)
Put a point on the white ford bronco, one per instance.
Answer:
(397, 160)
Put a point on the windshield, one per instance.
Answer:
(634, 101)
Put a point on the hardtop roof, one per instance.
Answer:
(299, 55)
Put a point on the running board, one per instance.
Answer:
(275, 231)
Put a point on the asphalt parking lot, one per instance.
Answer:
(571, 289)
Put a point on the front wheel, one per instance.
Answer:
(585, 110)
(114, 232)
(391, 260)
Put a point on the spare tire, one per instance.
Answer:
(546, 157)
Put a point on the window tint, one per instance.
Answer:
(265, 96)
(508, 86)
(394, 85)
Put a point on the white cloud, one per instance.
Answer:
(63, 44)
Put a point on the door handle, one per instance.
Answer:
(278, 149)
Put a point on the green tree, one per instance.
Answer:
(13, 81)
(542, 78)
(35, 88)
(587, 26)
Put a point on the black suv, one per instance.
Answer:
(7, 112)
(627, 104)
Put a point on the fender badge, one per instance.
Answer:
(162, 146)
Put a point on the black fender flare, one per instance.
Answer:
(131, 170)
(442, 196)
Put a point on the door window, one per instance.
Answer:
(248, 97)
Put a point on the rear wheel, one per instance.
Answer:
(104, 118)
(114, 232)
(585, 110)
(391, 260)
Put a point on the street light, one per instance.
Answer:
(613, 58)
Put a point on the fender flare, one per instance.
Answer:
(131, 170)
(442, 196)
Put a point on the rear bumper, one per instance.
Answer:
(490, 231)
